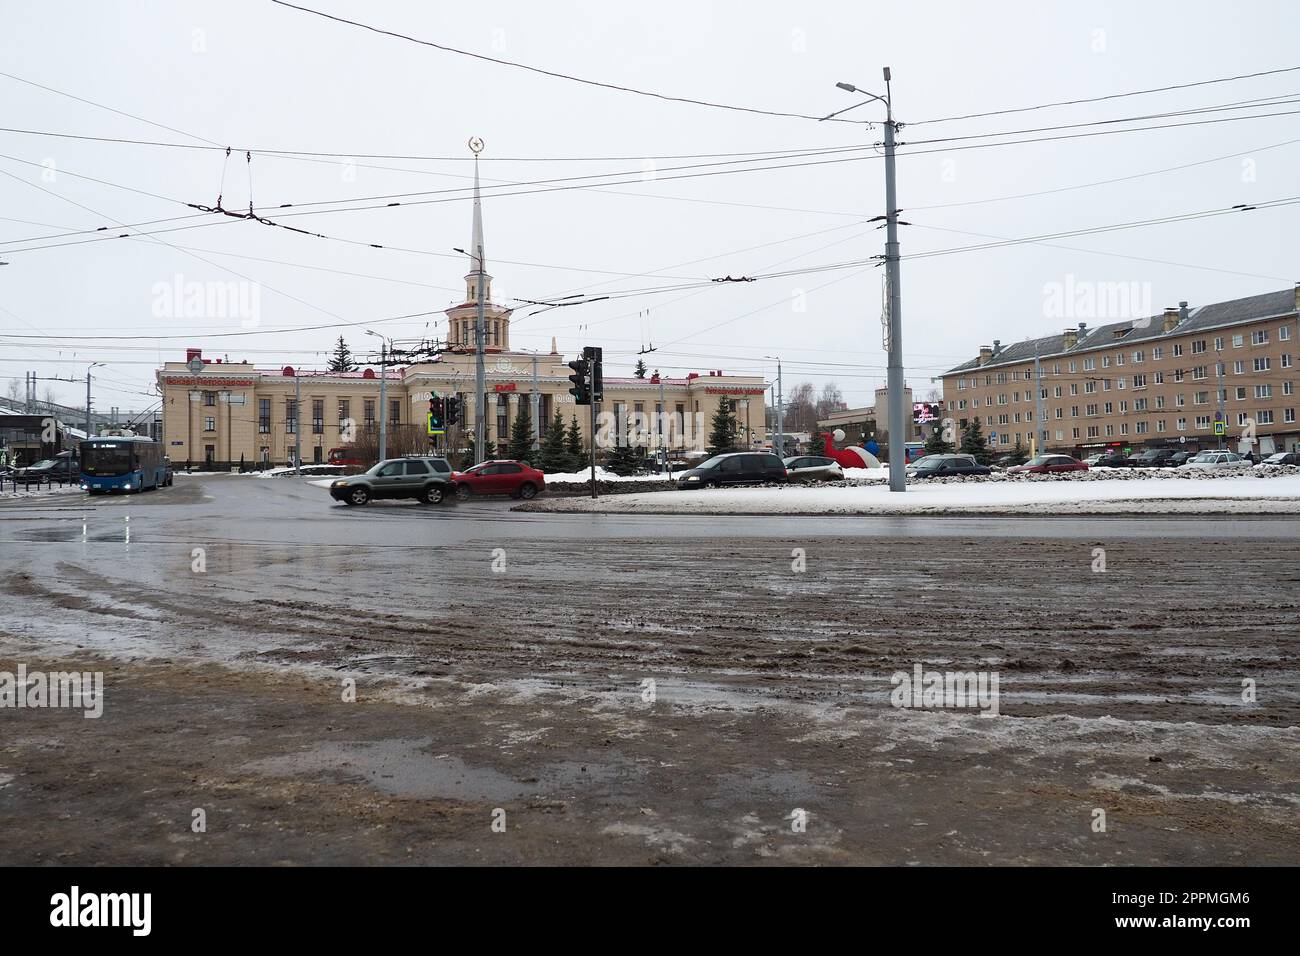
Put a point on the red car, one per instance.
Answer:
(1050, 465)
(499, 478)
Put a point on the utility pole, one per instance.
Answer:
(893, 301)
(297, 425)
(89, 433)
(896, 386)
(535, 404)
(383, 398)
(1039, 411)
(663, 413)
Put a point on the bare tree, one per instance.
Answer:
(801, 413)
(12, 392)
(831, 400)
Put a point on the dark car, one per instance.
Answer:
(1154, 458)
(514, 478)
(422, 478)
(736, 468)
(1051, 465)
(1180, 458)
(935, 466)
(60, 468)
(1113, 460)
(1282, 458)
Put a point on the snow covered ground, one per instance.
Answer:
(37, 491)
(1236, 494)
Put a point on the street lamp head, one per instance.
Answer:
(887, 77)
(847, 86)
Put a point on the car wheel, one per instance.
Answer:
(357, 496)
(432, 495)
(712, 484)
(527, 491)
(463, 492)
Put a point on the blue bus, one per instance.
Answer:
(122, 464)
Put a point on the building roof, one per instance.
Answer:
(1218, 314)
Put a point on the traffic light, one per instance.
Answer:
(581, 390)
(451, 412)
(435, 416)
(593, 355)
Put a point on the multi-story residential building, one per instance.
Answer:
(1153, 382)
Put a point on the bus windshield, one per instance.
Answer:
(97, 459)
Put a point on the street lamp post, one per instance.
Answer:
(383, 394)
(88, 368)
(897, 417)
(780, 410)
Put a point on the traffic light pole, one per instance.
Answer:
(591, 371)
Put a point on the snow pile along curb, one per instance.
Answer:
(1201, 494)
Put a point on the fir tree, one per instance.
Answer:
(1019, 454)
(520, 446)
(935, 445)
(553, 457)
(722, 432)
(640, 369)
(817, 444)
(341, 360)
(573, 445)
(623, 461)
(973, 443)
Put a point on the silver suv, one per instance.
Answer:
(425, 478)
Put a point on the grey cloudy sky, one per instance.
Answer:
(249, 73)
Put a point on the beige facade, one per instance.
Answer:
(1141, 384)
(233, 412)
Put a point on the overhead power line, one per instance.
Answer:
(556, 75)
(1109, 96)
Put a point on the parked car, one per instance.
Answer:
(424, 478)
(1050, 465)
(62, 467)
(933, 466)
(514, 478)
(1180, 458)
(1153, 458)
(1217, 459)
(813, 468)
(1093, 459)
(736, 468)
(1281, 458)
(1113, 459)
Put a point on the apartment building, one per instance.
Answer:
(1148, 383)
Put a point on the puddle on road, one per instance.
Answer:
(414, 769)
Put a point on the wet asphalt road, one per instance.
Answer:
(1121, 690)
(286, 511)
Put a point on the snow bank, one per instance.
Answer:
(1235, 494)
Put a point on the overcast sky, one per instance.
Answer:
(249, 73)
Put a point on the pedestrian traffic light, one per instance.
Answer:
(451, 410)
(581, 390)
(594, 357)
(435, 416)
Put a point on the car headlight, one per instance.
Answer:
(339, 484)
(692, 477)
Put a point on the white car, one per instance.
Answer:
(813, 468)
(1216, 459)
